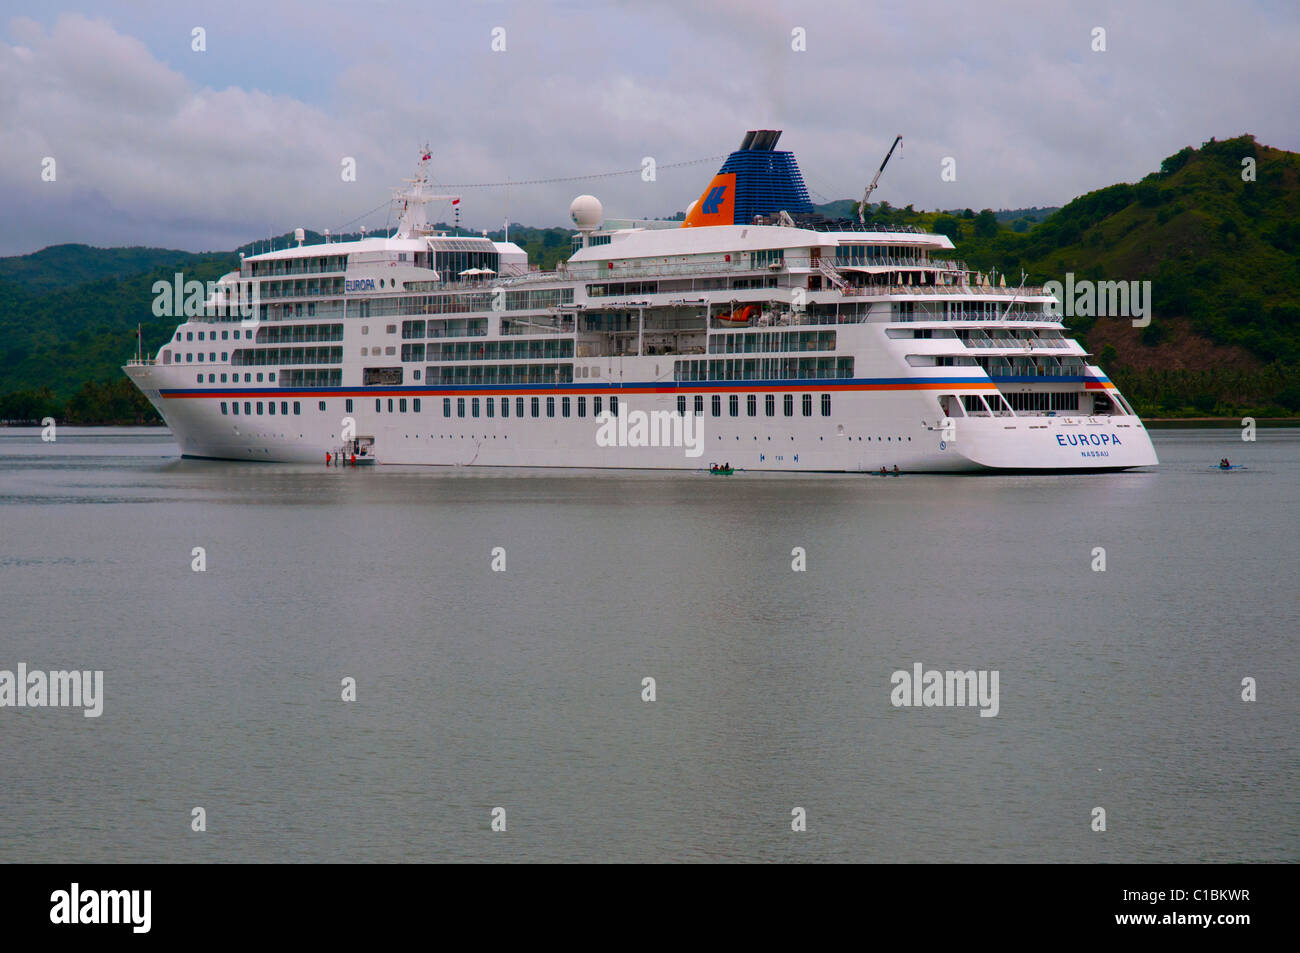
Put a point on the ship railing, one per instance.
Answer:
(141, 362)
(867, 227)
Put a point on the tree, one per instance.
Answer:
(986, 224)
(947, 225)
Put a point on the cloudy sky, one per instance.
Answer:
(158, 144)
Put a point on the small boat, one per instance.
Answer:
(1231, 466)
(739, 318)
(358, 452)
(721, 471)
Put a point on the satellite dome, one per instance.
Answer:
(586, 211)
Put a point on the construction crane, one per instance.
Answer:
(862, 209)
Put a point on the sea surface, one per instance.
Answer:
(523, 689)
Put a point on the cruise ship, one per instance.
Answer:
(754, 333)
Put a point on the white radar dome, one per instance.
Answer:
(586, 211)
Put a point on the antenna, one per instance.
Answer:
(866, 196)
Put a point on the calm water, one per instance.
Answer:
(522, 689)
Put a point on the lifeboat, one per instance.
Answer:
(739, 318)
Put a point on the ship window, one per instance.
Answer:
(248, 408)
(550, 407)
(297, 408)
(271, 377)
(505, 406)
(259, 377)
(789, 405)
(491, 408)
(769, 405)
(473, 407)
(189, 335)
(717, 405)
(379, 405)
(681, 405)
(270, 408)
(189, 358)
(200, 356)
(446, 406)
(234, 406)
(537, 407)
(415, 404)
(613, 406)
(826, 405)
(390, 405)
(582, 406)
(212, 378)
(751, 405)
(247, 378)
(223, 378)
(699, 405)
(807, 405)
(225, 335)
(460, 406)
(200, 335)
(401, 405)
(733, 405)
(519, 406)
(247, 334)
(347, 405)
(223, 408)
(595, 406)
(564, 407)
(284, 407)
(199, 379)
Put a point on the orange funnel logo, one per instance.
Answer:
(717, 204)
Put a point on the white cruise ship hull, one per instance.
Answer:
(870, 425)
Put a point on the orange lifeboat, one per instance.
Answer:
(739, 318)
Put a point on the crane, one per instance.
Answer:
(862, 209)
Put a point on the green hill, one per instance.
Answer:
(65, 266)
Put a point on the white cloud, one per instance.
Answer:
(149, 153)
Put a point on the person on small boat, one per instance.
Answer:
(1225, 464)
(895, 469)
(883, 471)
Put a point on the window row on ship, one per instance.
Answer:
(566, 406)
